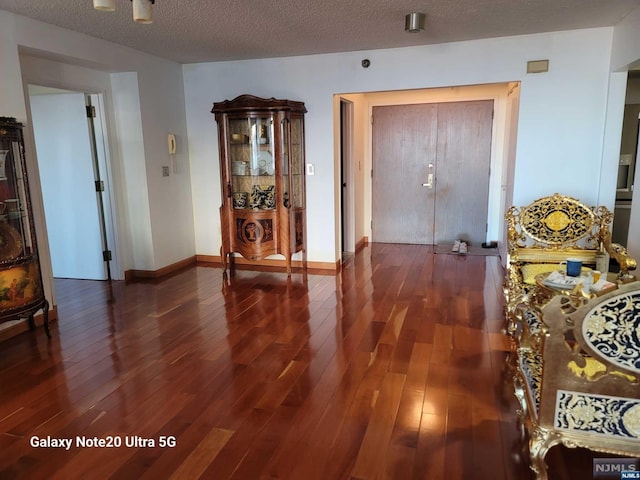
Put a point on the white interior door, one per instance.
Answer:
(66, 166)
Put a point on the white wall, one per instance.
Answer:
(561, 126)
(11, 94)
(561, 122)
(163, 225)
(626, 39)
(614, 114)
(130, 148)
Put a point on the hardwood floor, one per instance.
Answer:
(392, 369)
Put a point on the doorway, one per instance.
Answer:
(347, 184)
(70, 143)
(431, 167)
(627, 160)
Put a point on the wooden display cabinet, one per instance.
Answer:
(21, 292)
(262, 164)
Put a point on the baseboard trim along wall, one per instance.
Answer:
(272, 263)
(363, 242)
(132, 275)
(215, 260)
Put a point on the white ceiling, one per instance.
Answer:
(189, 31)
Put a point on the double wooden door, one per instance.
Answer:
(431, 165)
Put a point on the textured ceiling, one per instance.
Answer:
(189, 31)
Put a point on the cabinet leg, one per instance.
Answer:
(223, 259)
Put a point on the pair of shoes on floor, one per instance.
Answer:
(459, 247)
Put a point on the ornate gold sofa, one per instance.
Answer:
(546, 232)
(580, 385)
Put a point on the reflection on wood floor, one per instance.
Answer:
(393, 369)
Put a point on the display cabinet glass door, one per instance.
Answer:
(293, 162)
(286, 185)
(15, 224)
(251, 153)
(297, 162)
(21, 292)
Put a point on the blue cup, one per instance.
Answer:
(574, 267)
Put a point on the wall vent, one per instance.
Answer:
(537, 66)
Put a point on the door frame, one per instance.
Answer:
(504, 135)
(103, 161)
(100, 144)
(347, 185)
(495, 92)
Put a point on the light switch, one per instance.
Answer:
(311, 169)
(165, 171)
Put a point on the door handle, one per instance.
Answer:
(429, 183)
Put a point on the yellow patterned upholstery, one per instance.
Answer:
(531, 270)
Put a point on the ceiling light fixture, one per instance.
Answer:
(141, 8)
(414, 22)
(104, 5)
